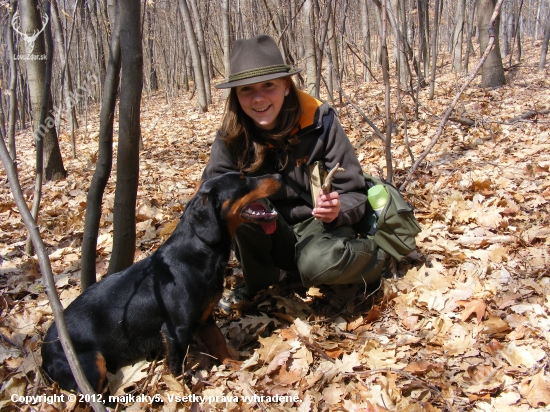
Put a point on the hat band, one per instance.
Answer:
(246, 74)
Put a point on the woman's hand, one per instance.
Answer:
(328, 207)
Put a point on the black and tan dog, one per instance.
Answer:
(159, 302)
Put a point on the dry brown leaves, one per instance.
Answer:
(467, 327)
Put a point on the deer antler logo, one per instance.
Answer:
(29, 40)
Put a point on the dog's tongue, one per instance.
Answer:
(269, 227)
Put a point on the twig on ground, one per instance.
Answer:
(314, 347)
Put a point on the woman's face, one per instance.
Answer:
(262, 102)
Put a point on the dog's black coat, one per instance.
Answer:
(160, 301)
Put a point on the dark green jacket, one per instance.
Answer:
(321, 138)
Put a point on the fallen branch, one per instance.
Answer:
(447, 114)
(528, 115)
(466, 121)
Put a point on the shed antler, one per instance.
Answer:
(326, 187)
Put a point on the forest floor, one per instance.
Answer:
(465, 327)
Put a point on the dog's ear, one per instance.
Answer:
(204, 220)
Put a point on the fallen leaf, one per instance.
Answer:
(536, 390)
(470, 307)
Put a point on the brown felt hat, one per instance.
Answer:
(256, 60)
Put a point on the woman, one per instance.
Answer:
(269, 126)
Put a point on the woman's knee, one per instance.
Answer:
(340, 261)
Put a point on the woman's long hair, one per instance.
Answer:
(248, 143)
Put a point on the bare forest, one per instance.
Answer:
(107, 114)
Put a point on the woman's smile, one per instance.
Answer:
(262, 102)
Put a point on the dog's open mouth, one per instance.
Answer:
(258, 212)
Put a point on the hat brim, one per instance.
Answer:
(257, 79)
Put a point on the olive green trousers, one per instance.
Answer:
(321, 256)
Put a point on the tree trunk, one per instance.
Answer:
(544, 48)
(320, 51)
(469, 35)
(458, 35)
(387, 95)
(492, 72)
(153, 79)
(335, 64)
(400, 42)
(422, 42)
(434, 50)
(365, 28)
(42, 122)
(124, 215)
(31, 22)
(309, 48)
(13, 86)
(104, 161)
(70, 103)
(226, 37)
(202, 49)
(195, 55)
(95, 42)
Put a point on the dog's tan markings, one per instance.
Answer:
(233, 218)
(102, 368)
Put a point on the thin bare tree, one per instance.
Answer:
(104, 160)
(129, 134)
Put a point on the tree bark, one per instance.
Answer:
(492, 72)
(104, 161)
(124, 215)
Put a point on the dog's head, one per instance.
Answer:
(229, 200)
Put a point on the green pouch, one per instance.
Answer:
(396, 228)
